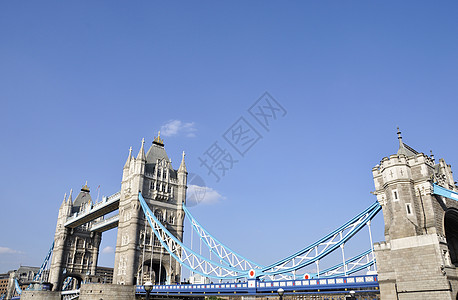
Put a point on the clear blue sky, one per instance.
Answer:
(82, 81)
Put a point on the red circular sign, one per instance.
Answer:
(251, 273)
(306, 276)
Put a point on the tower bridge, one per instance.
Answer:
(417, 260)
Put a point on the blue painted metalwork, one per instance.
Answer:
(224, 253)
(186, 256)
(66, 283)
(306, 257)
(322, 285)
(37, 276)
(438, 190)
(212, 243)
(300, 259)
(332, 271)
(17, 287)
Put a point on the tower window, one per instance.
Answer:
(395, 195)
(409, 208)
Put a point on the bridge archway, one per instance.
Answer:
(451, 233)
(75, 282)
(153, 273)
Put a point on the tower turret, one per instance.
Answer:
(182, 181)
(164, 189)
(414, 256)
(75, 250)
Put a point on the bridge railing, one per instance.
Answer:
(104, 221)
(364, 282)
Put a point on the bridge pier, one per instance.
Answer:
(107, 291)
(40, 295)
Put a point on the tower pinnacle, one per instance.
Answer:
(127, 164)
(183, 164)
(70, 200)
(158, 140)
(85, 188)
(141, 153)
(401, 144)
(64, 201)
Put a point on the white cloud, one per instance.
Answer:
(175, 127)
(6, 250)
(201, 195)
(108, 250)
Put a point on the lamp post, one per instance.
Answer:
(148, 286)
(280, 292)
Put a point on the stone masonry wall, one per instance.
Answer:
(107, 291)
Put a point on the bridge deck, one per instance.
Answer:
(366, 283)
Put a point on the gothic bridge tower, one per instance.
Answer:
(75, 250)
(139, 256)
(419, 257)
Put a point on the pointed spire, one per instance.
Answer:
(70, 200)
(404, 148)
(141, 153)
(127, 164)
(182, 165)
(64, 201)
(401, 144)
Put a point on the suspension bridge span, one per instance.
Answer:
(417, 195)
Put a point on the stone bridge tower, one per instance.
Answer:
(139, 256)
(75, 250)
(419, 257)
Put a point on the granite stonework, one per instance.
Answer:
(417, 259)
(139, 256)
(87, 292)
(40, 295)
(107, 291)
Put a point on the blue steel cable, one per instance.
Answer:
(150, 217)
(369, 213)
(190, 217)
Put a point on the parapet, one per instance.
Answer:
(382, 246)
